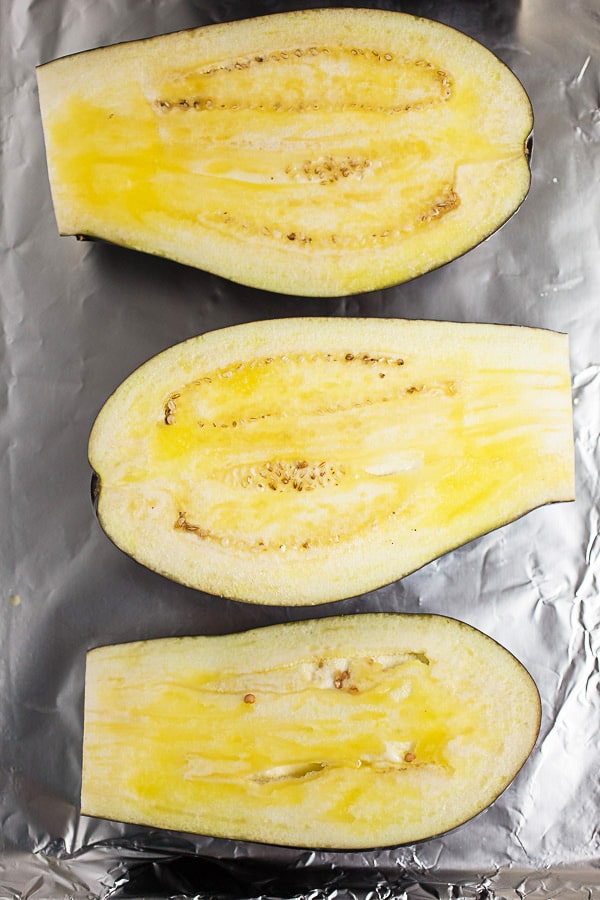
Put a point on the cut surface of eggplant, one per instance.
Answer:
(301, 461)
(317, 152)
(346, 732)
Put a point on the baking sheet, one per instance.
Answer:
(76, 318)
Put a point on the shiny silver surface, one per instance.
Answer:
(76, 318)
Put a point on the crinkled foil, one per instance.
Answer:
(77, 318)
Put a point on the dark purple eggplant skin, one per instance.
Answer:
(95, 488)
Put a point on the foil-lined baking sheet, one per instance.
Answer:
(76, 318)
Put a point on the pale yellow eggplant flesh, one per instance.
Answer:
(339, 733)
(301, 461)
(318, 152)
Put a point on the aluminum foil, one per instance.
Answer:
(76, 318)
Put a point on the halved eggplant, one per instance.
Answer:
(301, 461)
(347, 732)
(317, 152)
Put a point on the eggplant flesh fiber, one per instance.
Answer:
(345, 732)
(301, 461)
(317, 152)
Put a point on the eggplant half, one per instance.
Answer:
(301, 461)
(317, 152)
(346, 732)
